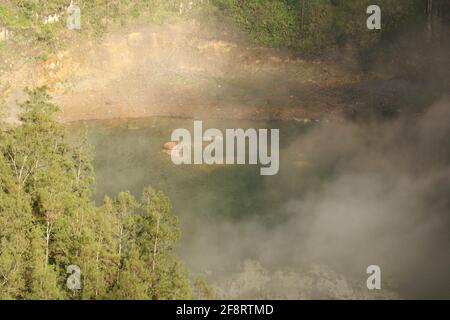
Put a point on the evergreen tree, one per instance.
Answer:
(124, 249)
(158, 232)
(16, 221)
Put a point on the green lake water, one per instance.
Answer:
(129, 157)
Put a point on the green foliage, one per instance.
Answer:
(202, 290)
(350, 19)
(27, 16)
(12, 18)
(125, 249)
(306, 25)
(310, 25)
(268, 22)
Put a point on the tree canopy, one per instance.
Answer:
(124, 249)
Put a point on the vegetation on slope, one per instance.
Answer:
(306, 25)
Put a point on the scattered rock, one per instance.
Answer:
(5, 34)
(135, 38)
(51, 19)
(169, 147)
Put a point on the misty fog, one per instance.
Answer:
(385, 201)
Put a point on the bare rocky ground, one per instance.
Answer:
(187, 69)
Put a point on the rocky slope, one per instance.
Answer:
(196, 70)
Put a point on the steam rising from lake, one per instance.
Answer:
(384, 201)
(348, 195)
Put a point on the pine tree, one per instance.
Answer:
(15, 221)
(124, 249)
(159, 230)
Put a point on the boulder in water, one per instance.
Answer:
(170, 147)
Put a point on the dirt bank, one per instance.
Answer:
(188, 69)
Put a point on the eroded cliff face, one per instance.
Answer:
(189, 68)
(186, 69)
